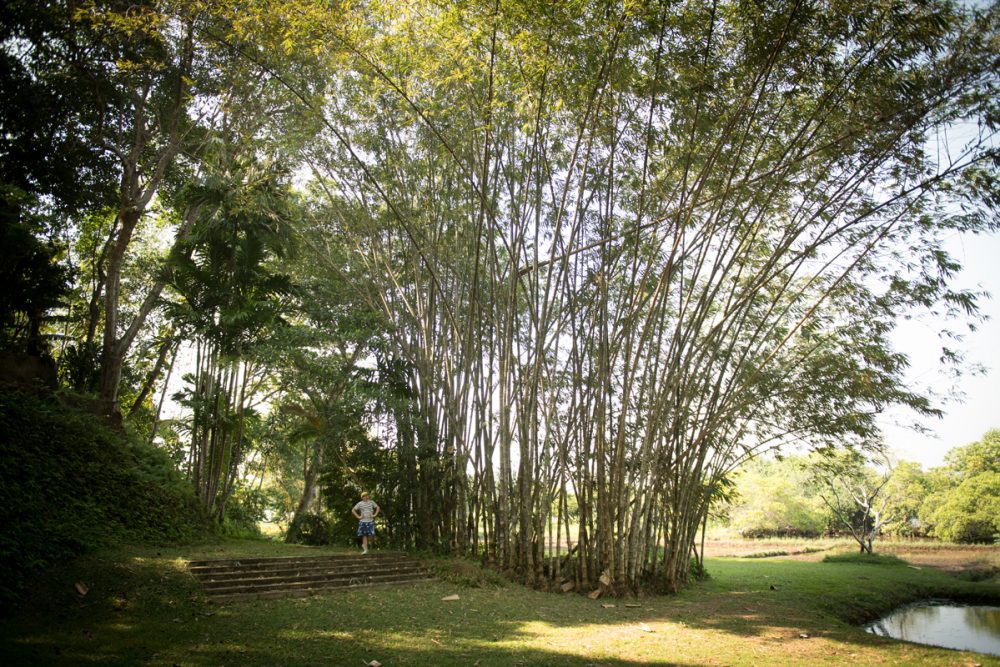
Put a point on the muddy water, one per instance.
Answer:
(969, 628)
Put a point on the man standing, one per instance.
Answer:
(365, 512)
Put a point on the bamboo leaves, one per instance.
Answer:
(622, 249)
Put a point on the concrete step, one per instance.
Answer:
(365, 580)
(217, 581)
(304, 592)
(297, 566)
(197, 565)
(236, 579)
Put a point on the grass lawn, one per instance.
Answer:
(142, 607)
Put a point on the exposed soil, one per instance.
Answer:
(951, 559)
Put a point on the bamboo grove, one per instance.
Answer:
(612, 249)
(623, 248)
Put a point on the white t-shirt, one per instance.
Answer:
(366, 508)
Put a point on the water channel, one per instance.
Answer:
(968, 628)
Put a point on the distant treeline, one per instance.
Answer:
(958, 502)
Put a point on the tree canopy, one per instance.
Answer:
(593, 255)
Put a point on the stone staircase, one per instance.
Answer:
(248, 578)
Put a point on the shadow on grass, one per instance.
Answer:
(142, 607)
(782, 602)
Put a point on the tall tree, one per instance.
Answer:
(231, 298)
(856, 493)
(615, 251)
(110, 84)
(152, 50)
(624, 248)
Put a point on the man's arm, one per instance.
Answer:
(377, 510)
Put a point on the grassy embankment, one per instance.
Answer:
(70, 485)
(143, 608)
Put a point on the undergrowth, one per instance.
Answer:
(463, 572)
(70, 485)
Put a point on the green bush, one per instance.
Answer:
(244, 511)
(463, 572)
(68, 485)
(697, 570)
(969, 512)
(319, 530)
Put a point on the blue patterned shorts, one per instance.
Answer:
(366, 528)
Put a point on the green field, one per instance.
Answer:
(142, 607)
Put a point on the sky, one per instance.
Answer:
(977, 409)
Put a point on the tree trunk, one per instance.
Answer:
(147, 386)
(310, 494)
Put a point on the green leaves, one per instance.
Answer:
(618, 248)
(70, 485)
(224, 270)
(964, 505)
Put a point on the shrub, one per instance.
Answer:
(68, 485)
(463, 572)
(318, 530)
(697, 570)
(781, 532)
(245, 509)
